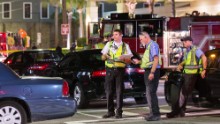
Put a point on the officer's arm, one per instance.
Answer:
(204, 65)
(104, 57)
(155, 63)
(180, 66)
(204, 62)
(105, 52)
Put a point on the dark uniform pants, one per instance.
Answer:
(186, 90)
(151, 91)
(114, 83)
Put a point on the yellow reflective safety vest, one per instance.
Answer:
(145, 62)
(114, 60)
(191, 63)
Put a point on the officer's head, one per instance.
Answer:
(144, 38)
(117, 35)
(187, 41)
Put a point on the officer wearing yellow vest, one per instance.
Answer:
(116, 54)
(151, 62)
(194, 64)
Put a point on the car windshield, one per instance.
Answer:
(45, 56)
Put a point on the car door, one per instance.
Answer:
(15, 62)
(68, 67)
(213, 73)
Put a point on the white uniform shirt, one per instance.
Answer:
(114, 48)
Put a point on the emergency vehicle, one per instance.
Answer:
(10, 42)
(167, 32)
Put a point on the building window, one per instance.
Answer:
(156, 4)
(6, 9)
(100, 10)
(27, 10)
(44, 11)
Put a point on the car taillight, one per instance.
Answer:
(9, 61)
(99, 73)
(65, 90)
(39, 67)
(135, 70)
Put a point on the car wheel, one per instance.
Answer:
(12, 113)
(78, 94)
(140, 100)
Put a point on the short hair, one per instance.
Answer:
(118, 30)
(144, 33)
(187, 38)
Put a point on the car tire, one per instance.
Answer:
(79, 95)
(15, 113)
(140, 100)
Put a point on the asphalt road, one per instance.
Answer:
(133, 113)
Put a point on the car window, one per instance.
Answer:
(28, 59)
(213, 60)
(69, 61)
(44, 56)
(92, 58)
(18, 58)
(75, 61)
(11, 57)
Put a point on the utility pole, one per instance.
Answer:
(64, 19)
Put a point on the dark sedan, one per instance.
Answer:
(33, 62)
(85, 72)
(27, 99)
(205, 89)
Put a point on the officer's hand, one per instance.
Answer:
(135, 61)
(203, 73)
(179, 68)
(151, 76)
(105, 56)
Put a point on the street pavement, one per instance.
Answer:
(133, 113)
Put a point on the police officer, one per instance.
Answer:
(193, 64)
(115, 53)
(151, 63)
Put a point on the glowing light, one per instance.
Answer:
(212, 55)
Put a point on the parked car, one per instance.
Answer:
(27, 99)
(33, 62)
(85, 72)
(205, 89)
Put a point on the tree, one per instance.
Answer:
(56, 4)
(79, 5)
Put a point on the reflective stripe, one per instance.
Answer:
(192, 66)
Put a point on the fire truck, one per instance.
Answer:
(167, 32)
(10, 42)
